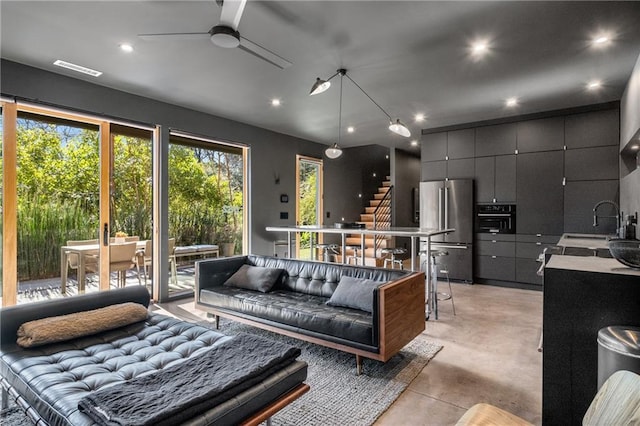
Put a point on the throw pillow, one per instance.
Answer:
(356, 293)
(255, 278)
(67, 327)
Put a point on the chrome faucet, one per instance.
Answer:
(617, 216)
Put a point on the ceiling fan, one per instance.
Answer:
(226, 34)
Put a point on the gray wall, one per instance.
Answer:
(630, 133)
(271, 152)
(405, 169)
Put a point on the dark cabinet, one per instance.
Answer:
(505, 181)
(545, 134)
(540, 193)
(496, 140)
(485, 169)
(592, 163)
(461, 169)
(496, 179)
(434, 147)
(461, 144)
(433, 170)
(598, 128)
(495, 268)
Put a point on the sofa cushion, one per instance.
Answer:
(67, 327)
(318, 278)
(255, 278)
(304, 312)
(356, 293)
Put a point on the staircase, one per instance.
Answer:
(377, 215)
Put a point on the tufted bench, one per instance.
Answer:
(297, 304)
(50, 380)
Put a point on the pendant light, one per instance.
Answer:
(321, 85)
(334, 151)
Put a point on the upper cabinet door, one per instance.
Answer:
(546, 134)
(461, 144)
(496, 140)
(598, 128)
(434, 147)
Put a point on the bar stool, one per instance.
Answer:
(393, 251)
(325, 251)
(434, 274)
(354, 256)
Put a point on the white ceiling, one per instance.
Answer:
(410, 57)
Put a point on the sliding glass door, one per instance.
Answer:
(71, 186)
(207, 192)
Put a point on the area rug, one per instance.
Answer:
(338, 396)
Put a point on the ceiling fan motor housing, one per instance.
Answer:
(223, 36)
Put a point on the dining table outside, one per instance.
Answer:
(82, 252)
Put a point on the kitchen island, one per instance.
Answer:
(582, 294)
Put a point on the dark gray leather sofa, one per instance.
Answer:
(296, 306)
(49, 381)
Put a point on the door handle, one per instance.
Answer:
(452, 247)
(105, 235)
(440, 208)
(446, 207)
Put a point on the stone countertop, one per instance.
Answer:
(591, 264)
(587, 241)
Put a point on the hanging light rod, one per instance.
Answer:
(322, 85)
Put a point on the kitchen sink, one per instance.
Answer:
(587, 237)
(583, 251)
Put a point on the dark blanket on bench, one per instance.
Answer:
(180, 392)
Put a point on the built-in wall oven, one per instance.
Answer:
(496, 218)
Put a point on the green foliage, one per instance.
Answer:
(58, 192)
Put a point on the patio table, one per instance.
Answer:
(81, 251)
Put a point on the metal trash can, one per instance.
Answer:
(618, 349)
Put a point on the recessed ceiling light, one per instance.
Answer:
(351, 129)
(601, 39)
(414, 143)
(511, 102)
(594, 85)
(275, 102)
(77, 68)
(126, 47)
(419, 117)
(479, 48)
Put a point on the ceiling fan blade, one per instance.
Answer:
(232, 12)
(263, 53)
(174, 36)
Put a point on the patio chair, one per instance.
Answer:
(72, 258)
(122, 257)
(144, 259)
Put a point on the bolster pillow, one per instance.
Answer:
(79, 324)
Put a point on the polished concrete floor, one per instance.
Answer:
(489, 355)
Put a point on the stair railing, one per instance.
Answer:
(382, 218)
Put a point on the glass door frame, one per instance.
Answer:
(319, 201)
(10, 112)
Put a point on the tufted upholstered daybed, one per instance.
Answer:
(297, 306)
(50, 381)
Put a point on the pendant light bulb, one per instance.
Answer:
(399, 128)
(319, 86)
(333, 151)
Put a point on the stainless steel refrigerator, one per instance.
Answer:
(449, 204)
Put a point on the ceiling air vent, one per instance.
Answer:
(78, 68)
